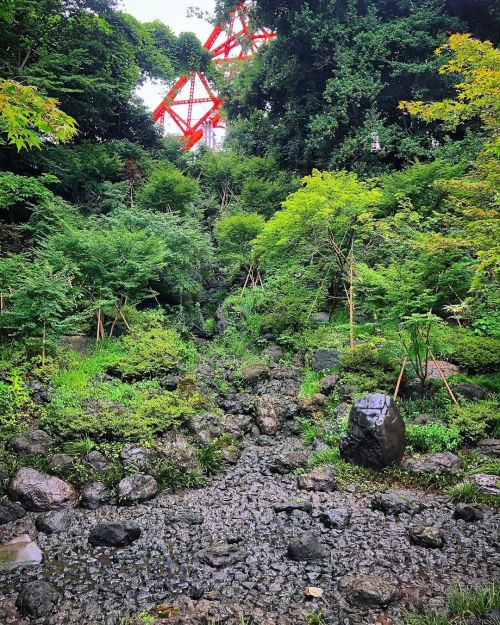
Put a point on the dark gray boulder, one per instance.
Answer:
(396, 502)
(36, 442)
(37, 599)
(337, 518)
(369, 590)
(140, 457)
(328, 384)
(114, 535)
(431, 537)
(306, 548)
(11, 512)
(96, 460)
(137, 488)
(291, 506)
(95, 495)
(467, 512)
(254, 373)
(376, 433)
(293, 457)
(40, 492)
(470, 391)
(60, 462)
(489, 447)
(322, 359)
(53, 522)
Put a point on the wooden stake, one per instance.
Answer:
(400, 378)
(113, 325)
(123, 317)
(443, 377)
(101, 322)
(1, 303)
(246, 282)
(44, 339)
(351, 301)
(98, 331)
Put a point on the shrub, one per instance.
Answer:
(475, 353)
(432, 437)
(16, 406)
(168, 190)
(150, 353)
(234, 235)
(475, 420)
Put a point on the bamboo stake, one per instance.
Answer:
(443, 377)
(101, 319)
(351, 301)
(1, 303)
(98, 331)
(400, 378)
(123, 317)
(246, 282)
(44, 339)
(113, 325)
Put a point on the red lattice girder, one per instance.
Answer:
(191, 104)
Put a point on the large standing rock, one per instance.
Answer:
(322, 359)
(10, 512)
(320, 479)
(440, 463)
(368, 590)
(35, 442)
(37, 599)
(18, 552)
(376, 433)
(114, 535)
(137, 488)
(306, 548)
(94, 495)
(40, 492)
(270, 411)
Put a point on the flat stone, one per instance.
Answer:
(441, 463)
(114, 535)
(36, 442)
(431, 537)
(19, 551)
(289, 507)
(376, 433)
(306, 548)
(489, 447)
(322, 479)
(37, 599)
(369, 590)
(289, 461)
(254, 373)
(53, 522)
(396, 502)
(313, 592)
(470, 391)
(40, 492)
(220, 555)
(447, 369)
(11, 512)
(337, 518)
(140, 457)
(322, 359)
(486, 483)
(137, 488)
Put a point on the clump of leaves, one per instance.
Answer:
(477, 419)
(150, 353)
(432, 437)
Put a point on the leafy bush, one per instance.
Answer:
(475, 420)
(432, 437)
(16, 406)
(475, 353)
(234, 235)
(168, 190)
(150, 353)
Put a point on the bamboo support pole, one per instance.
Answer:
(443, 377)
(400, 378)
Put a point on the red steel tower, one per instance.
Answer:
(191, 103)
